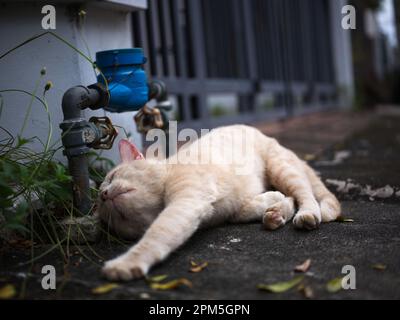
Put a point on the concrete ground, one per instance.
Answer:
(362, 167)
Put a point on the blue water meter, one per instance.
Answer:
(127, 81)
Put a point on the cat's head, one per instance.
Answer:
(131, 196)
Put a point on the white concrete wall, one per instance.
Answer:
(105, 29)
(342, 53)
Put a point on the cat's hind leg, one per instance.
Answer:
(330, 206)
(286, 173)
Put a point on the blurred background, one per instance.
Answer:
(225, 61)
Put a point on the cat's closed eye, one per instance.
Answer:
(111, 177)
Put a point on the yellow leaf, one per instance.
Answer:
(309, 157)
(335, 285)
(157, 278)
(198, 268)
(304, 266)
(306, 291)
(171, 285)
(344, 220)
(379, 267)
(7, 292)
(106, 288)
(281, 286)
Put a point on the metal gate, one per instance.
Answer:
(274, 56)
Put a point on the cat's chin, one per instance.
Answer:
(121, 225)
(123, 231)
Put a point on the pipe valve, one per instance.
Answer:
(107, 133)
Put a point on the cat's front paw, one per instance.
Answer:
(307, 220)
(123, 269)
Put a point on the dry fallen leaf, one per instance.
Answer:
(306, 291)
(309, 157)
(198, 268)
(158, 278)
(281, 286)
(106, 288)
(7, 292)
(144, 296)
(342, 219)
(303, 267)
(171, 285)
(335, 285)
(379, 267)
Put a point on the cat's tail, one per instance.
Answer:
(330, 206)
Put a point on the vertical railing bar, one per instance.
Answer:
(142, 37)
(196, 31)
(154, 22)
(283, 45)
(240, 34)
(152, 46)
(195, 12)
(210, 34)
(168, 45)
(180, 52)
(250, 53)
(163, 50)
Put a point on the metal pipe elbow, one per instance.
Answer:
(79, 98)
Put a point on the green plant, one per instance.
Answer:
(218, 110)
(35, 189)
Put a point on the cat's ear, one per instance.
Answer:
(129, 152)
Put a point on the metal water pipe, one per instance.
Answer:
(122, 86)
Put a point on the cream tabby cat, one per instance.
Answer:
(167, 201)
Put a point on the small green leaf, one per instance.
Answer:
(22, 141)
(61, 175)
(6, 203)
(281, 287)
(5, 190)
(335, 285)
(22, 210)
(9, 169)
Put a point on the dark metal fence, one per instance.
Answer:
(274, 56)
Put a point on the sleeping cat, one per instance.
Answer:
(166, 201)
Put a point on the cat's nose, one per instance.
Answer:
(104, 195)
